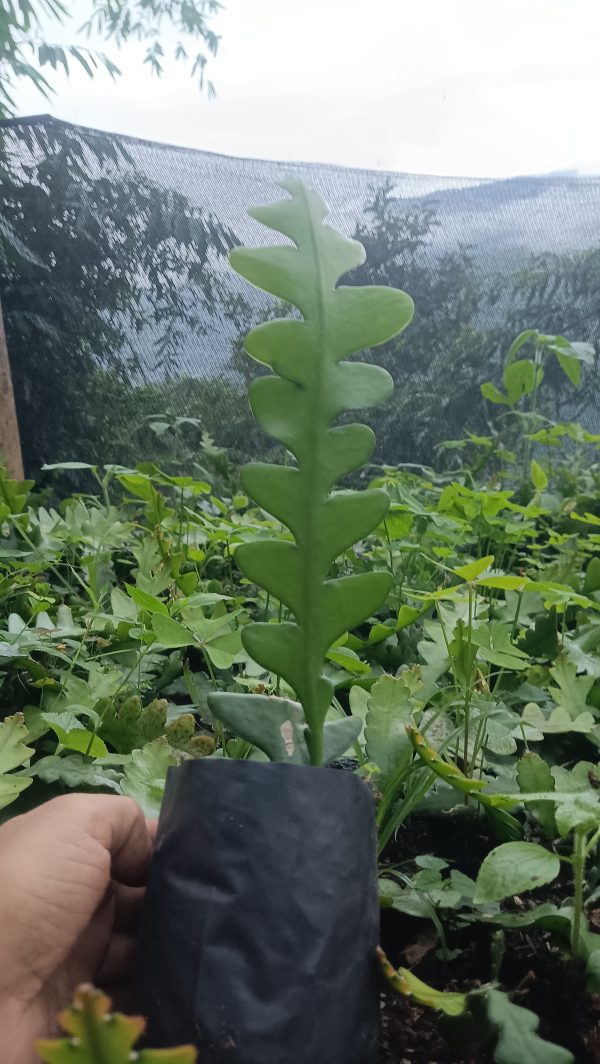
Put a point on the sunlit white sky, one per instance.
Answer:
(464, 87)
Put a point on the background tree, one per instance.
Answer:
(106, 255)
(26, 54)
(559, 294)
(438, 362)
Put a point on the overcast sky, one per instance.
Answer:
(465, 87)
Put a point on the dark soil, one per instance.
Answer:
(538, 974)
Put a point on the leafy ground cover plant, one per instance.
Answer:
(439, 632)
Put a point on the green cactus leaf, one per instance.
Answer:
(311, 386)
(278, 728)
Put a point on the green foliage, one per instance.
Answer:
(517, 1037)
(111, 283)
(13, 753)
(97, 1036)
(390, 708)
(145, 775)
(448, 1002)
(123, 613)
(513, 1027)
(25, 55)
(512, 868)
(298, 407)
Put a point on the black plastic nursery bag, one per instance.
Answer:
(261, 918)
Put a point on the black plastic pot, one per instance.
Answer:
(261, 918)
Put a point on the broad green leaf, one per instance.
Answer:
(97, 1036)
(534, 774)
(571, 367)
(145, 775)
(224, 649)
(518, 343)
(504, 581)
(298, 405)
(512, 868)
(474, 569)
(13, 753)
(539, 478)
(592, 577)
(493, 394)
(520, 379)
(139, 485)
(122, 605)
(146, 601)
(406, 616)
(170, 633)
(518, 1042)
(493, 642)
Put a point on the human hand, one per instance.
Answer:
(71, 885)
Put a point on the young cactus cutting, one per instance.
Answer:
(298, 405)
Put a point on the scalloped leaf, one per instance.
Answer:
(517, 1033)
(13, 753)
(146, 773)
(298, 406)
(391, 706)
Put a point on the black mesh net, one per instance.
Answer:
(124, 322)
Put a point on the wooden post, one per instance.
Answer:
(10, 441)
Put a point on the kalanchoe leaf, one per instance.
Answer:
(128, 725)
(145, 775)
(391, 706)
(298, 406)
(97, 1036)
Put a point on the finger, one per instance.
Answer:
(118, 962)
(120, 825)
(128, 906)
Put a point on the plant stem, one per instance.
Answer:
(468, 691)
(579, 855)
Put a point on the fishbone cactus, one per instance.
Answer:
(298, 405)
